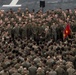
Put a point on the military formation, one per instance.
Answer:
(32, 43)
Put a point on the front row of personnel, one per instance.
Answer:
(38, 33)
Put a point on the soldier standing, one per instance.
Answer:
(20, 32)
(13, 33)
(54, 33)
(60, 32)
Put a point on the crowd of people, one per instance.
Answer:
(32, 43)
